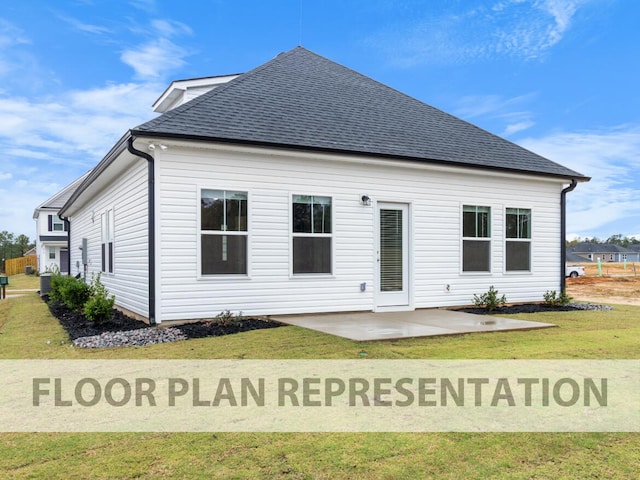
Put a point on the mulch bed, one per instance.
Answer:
(524, 308)
(77, 325)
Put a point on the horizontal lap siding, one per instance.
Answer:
(127, 196)
(435, 197)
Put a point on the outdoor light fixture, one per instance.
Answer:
(152, 146)
(365, 200)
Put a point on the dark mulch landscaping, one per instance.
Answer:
(524, 308)
(77, 325)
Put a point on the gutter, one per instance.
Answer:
(151, 225)
(563, 233)
(357, 153)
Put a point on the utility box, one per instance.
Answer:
(45, 284)
(4, 281)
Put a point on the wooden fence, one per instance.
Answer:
(17, 265)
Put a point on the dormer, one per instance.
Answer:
(182, 91)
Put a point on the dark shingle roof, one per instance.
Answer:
(302, 100)
(589, 247)
(573, 258)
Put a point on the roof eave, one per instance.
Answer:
(108, 159)
(196, 138)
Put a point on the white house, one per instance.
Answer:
(52, 235)
(303, 186)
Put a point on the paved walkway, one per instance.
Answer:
(363, 326)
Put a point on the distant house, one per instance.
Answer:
(52, 232)
(605, 252)
(573, 258)
(303, 186)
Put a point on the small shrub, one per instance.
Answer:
(489, 300)
(227, 317)
(552, 298)
(69, 291)
(99, 307)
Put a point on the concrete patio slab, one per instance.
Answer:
(365, 326)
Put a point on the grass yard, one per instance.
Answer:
(27, 330)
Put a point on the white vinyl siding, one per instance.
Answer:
(123, 201)
(271, 179)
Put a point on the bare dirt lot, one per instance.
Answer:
(616, 285)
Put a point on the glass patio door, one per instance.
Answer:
(393, 255)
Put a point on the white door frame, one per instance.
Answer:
(397, 300)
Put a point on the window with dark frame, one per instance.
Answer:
(518, 239)
(312, 234)
(106, 241)
(223, 232)
(476, 238)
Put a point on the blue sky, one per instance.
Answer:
(560, 77)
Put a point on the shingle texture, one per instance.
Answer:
(588, 247)
(303, 100)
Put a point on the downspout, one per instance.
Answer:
(151, 225)
(67, 223)
(563, 233)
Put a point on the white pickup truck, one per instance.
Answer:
(573, 271)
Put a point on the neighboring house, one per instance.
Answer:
(573, 258)
(605, 252)
(31, 251)
(52, 231)
(303, 186)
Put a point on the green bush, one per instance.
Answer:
(489, 300)
(552, 298)
(99, 307)
(69, 291)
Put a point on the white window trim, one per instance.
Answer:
(529, 240)
(216, 277)
(293, 235)
(489, 239)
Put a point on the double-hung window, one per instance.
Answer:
(518, 233)
(223, 232)
(476, 238)
(312, 234)
(106, 242)
(56, 224)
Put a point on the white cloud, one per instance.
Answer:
(11, 35)
(506, 111)
(170, 28)
(85, 27)
(608, 204)
(160, 56)
(155, 59)
(524, 29)
(517, 127)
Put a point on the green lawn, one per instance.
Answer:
(27, 330)
(22, 281)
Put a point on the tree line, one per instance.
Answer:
(618, 239)
(14, 246)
